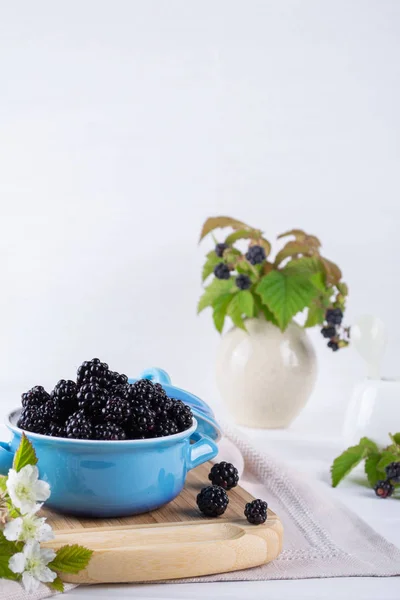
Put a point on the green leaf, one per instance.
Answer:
(350, 458)
(71, 559)
(220, 222)
(285, 295)
(56, 585)
(243, 234)
(342, 287)
(245, 302)
(8, 548)
(235, 312)
(5, 571)
(25, 454)
(260, 307)
(372, 471)
(218, 287)
(291, 249)
(3, 484)
(387, 458)
(395, 437)
(209, 265)
(315, 315)
(220, 307)
(304, 264)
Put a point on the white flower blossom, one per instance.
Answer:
(32, 564)
(26, 489)
(28, 528)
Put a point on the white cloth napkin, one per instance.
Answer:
(322, 538)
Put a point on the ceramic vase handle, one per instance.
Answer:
(204, 449)
(6, 458)
(156, 375)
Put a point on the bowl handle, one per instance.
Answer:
(204, 449)
(156, 375)
(6, 458)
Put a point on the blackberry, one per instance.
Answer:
(256, 255)
(64, 389)
(212, 501)
(142, 421)
(90, 393)
(220, 248)
(92, 368)
(256, 512)
(33, 419)
(181, 414)
(117, 410)
(225, 475)
(56, 430)
(383, 489)
(78, 426)
(164, 427)
(34, 397)
(221, 271)
(143, 392)
(116, 379)
(161, 406)
(334, 316)
(55, 410)
(121, 391)
(328, 332)
(393, 472)
(109, 431)
(333, 345)
(243, 282)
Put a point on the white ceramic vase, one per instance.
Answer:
(265, 376)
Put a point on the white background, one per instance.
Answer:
(124, 124)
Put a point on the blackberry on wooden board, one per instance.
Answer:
(225, 475)
(256, 512)
(212, 501)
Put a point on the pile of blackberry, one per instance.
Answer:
(332, 330)
(102, 405)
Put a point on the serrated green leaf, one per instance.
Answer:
(372, 471)
(368, 444)
(5, 571)
(347, 461)
(243, 234)
(259, 307)
(235, 312)
(304, 264)
(56, 585)
(387, 458)
(8, 548)
(71, 559)
(209, 265)
(245, 302)
(291, 249)
(318, 280)
(395, 437)
(231, 255)
(218, 287)
(315, 315)
(221, 222)
(25, 454)
(220, 307)
(285, 295)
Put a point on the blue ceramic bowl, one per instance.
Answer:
(112, 478)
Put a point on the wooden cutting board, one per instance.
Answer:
(172, 542)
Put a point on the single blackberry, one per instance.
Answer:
(33, 419)
(334, 316)
(115, 379)
(256, 255)
(34, 397)
(243, 282)
(142, 421)
(220, 249)
(383, 489)
(56, 430)
(164, 427)
(117, 410)
(181, 414)
(90, 393)
(225, 475)
(121, 391)
(333, 345)
(393, 472)
(161, 406)
(92, 368)
(328, 332)
(221, 271)
(212, 501)
(143, 391)
(65, 389)
(55, 410)
(256, 512)
(109, 431)
(159, 390)
(78, 426)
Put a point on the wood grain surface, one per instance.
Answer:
(172, 542)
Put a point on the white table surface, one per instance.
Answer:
(311, 455)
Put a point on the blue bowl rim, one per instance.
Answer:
(176, 437)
